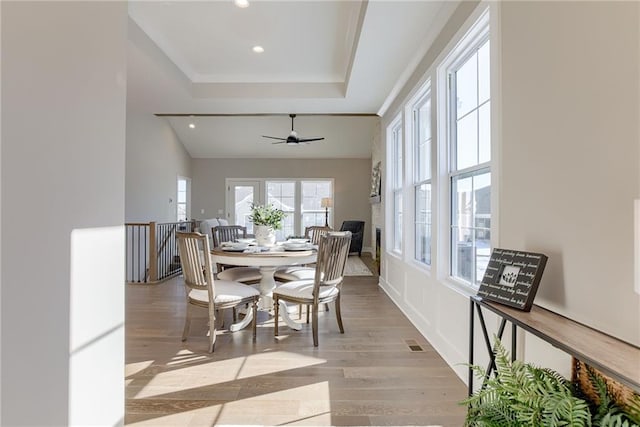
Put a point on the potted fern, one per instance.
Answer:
(266, 219)
(521, 394)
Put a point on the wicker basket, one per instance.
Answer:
(620, 393)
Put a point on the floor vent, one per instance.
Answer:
(413, 346)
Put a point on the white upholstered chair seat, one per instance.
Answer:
(226, 292)
(291, 273)
(303, 289)
(240, 274)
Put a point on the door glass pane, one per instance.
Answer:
(281, 194)
(244, 197)
(467, 141)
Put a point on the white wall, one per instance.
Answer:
(570, 153)
(352, 181)
(63, 133)
(155, 159)
(568, 166)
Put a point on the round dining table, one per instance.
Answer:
(267, 261)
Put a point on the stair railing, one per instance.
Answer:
(152, 251)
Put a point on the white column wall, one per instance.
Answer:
(63, 158)
(568, 165)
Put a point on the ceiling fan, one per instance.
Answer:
(293, 138)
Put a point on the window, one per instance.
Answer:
(421, 114)
(469, 131)
(396, 169)
(312, 211)
(183, 199)
(301, 202)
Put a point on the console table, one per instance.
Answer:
(613, 357)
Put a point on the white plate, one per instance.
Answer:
(247, 241)
(297, 246)
(296, 241)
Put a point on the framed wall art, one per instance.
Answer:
(512, 278)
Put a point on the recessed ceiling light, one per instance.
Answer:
(258, 49)
(241, 3)
(192, 125)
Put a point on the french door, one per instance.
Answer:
(240, 195)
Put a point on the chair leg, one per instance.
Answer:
(308, 313)
(212, 331)
(275, 317)
(254, 308)
(314, 324)
(235, 315)
(300, 312)
(338, 315)
(187, 323)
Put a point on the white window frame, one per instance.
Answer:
(395, 140)
(477, 32)
(187, 202)
(423, 95)
(261, 197)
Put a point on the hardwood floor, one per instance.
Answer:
(368, 376)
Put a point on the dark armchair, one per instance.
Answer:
(357, 231)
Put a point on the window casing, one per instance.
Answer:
(422, 175)
(469, 143)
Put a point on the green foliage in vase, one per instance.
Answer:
(267, 215)
(521, 394)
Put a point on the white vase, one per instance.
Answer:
(265, 235)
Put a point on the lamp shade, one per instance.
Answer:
(326, 202)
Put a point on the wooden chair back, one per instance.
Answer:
(227, 233)
(196, 264)
(332, 259)
(315, 232)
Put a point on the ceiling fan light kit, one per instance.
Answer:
(293, 138)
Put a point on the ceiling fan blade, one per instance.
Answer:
(280, 142)
(310, 139)
(274, 137)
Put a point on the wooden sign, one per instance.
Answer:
(512, 278)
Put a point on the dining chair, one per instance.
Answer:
(300, 272)
(229, 233)
(324, 287)
(315, 232)
(204, 291)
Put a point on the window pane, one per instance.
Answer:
(484, 133)
(422, 141)
(281, 195)
(484, 81)
(462, 257)
(397, 180)
(312, 211)
(397, 223)
(467, 141)
(471, 224)
(467, 86)
(423, 223)
(182, 185)
(182, 197)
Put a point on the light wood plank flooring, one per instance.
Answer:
(368, 376)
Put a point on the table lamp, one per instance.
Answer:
(326, 203)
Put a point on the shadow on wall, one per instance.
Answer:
(552, 287)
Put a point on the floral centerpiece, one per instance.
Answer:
(266, 219)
